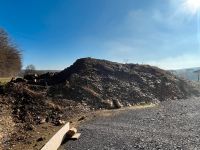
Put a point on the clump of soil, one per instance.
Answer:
(38, 102)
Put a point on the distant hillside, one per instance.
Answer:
(186, 73)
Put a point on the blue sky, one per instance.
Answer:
(52, 34)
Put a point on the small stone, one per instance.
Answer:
(117, 104)
(82, 118)
(42, 121)
(40, 139)
(61, 122)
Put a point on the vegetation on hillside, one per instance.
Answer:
(10, 56)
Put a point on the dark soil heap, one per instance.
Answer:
(91, 84)
(88, 84)
(105, 84)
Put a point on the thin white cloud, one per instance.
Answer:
(183, 61)
(166, 39)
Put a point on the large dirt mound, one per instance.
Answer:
(36, 101)
(105, 84)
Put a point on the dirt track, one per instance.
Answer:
(171, 125)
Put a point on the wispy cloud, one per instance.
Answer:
(179, 62)
(163, 35)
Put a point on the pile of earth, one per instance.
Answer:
(105, 84)
(91, 84)
(88, 84)
(28, 114)
(30, 104)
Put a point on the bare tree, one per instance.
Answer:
(125, 61)
(30, 69)
(10, 56)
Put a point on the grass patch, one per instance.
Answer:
(142, 106)
(4, 80)
(114, 112)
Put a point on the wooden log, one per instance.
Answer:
(76, 136)
(57, 139)
(71, 132)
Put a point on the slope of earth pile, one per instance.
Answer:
(105, 84)
(37, 104)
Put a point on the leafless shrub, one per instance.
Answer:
(10, 56)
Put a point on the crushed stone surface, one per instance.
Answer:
(173, 125)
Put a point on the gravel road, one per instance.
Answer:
(171, 125)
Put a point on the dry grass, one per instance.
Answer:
(114, 112)
(142, 106)
(4, 80)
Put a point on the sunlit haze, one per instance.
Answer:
(192, 5)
